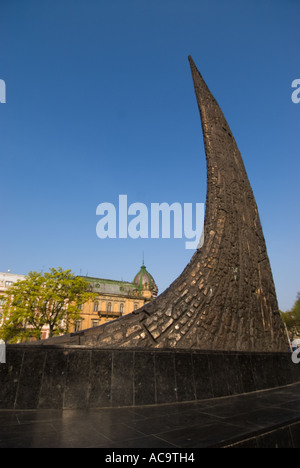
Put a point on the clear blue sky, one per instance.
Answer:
(100, 102)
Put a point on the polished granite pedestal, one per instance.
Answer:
(71, 396)
(77, 377)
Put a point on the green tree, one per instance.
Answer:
(292, 318)
(50, 299)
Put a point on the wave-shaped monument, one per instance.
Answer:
(225, 298)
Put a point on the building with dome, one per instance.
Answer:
(116, 298)
(145, 283)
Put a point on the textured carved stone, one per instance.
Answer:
(225, 298)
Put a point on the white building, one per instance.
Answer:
(8, 279)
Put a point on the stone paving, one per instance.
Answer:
(263, 419)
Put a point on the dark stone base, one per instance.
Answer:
(70, 377)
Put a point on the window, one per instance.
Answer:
(121, 308)
(95, 323)
(96, 306)
(8, 283)
(136, 306)
(77, 326)
(109, 307)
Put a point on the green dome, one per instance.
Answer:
(143, 280)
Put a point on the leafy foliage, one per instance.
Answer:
(50, 299)
(292, 318)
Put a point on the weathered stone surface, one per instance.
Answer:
(225, 298)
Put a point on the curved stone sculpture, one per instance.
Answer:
(225, 298)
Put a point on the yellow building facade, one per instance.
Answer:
(115, 299)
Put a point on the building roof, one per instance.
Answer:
(109, 286)
(144, 280)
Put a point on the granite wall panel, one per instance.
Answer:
(100, 378)
(144, 379)
(77, 377)
(54, 380)
(165, 378)
(233, 375)
(246, 373)
(30, 379)
(9, 378)
(122, 378)
(185, 382)
(202, 376)
(218, 374)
